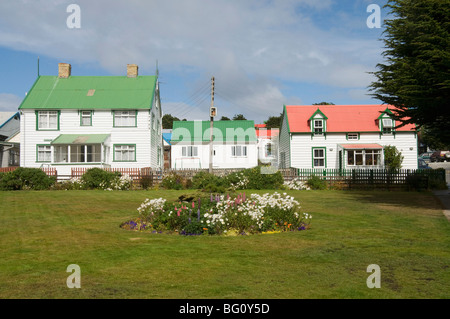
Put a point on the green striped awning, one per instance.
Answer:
(80, 139)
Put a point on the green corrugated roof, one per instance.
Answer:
(106, 92)
(80, 139)
(223, 131)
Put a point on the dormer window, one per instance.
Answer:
(318, 123)
(318, 127)
(387, 126)
(386, 123)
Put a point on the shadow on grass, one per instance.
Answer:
(411, 199)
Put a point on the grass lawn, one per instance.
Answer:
(42, 232)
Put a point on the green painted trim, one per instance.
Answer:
(312, 155)
(81, 117)
(114, 153)
(318, 112)
(37, 153)
(286, 117)
(359, 136)
(385, 112)
(114, 118)
(324, 126)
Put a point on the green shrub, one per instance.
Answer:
(26, 178)
(146, 182)
(252, 178)
(172, 181)
(209, 182)
(315, 182)
(95, 178)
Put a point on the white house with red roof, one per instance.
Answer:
(267, 143)
(343, 137)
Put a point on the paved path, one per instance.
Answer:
(444, 197)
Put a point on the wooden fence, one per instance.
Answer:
(346, 179)
(372, 178)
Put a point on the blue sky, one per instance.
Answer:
(263, 54)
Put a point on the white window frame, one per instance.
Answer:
(125, 118)
(189, 151)
(239, 151)
(44, 120)
(318, 129)
(86, 115)
(44, 153)
(81, 153)
(352, 136)
(375, 154)
(127, 153)
(318, 157)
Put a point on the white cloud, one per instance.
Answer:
(245, 44)
(9, 102)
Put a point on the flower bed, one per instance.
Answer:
(222, 215)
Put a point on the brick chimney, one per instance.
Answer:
(64, 70)
(132, 70)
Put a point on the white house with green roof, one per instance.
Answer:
(92, 121)
(234, 144)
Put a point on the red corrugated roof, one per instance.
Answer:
(264, 133)
(341, 118)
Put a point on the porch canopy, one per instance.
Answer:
(372, 146)
(65, 139)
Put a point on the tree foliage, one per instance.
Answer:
(239, 117)
(415, 75)
(323, 103)
(392, 157)
(167, 121)
(274, 121)
(224, 118)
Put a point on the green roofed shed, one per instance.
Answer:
(223, 131)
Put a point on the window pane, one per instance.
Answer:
(43, 117)
(183, 151)
(358, 157)
(238, 151)
(124, 152)
(86, 118)
(44, 153)
(318, 153)
(61, 154)
(369, 159)
(350, 157)
(244, 150)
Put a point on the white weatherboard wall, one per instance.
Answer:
(284, 151)
(222, 159)
(301, 146)
(143, 136)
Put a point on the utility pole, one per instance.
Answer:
(212, 113)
